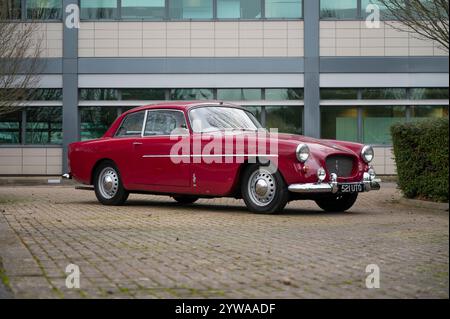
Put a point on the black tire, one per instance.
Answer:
(119, 195)
(277, 194)
(337, 202)
(185, 200)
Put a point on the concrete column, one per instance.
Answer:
(312, 68)
(70, 84)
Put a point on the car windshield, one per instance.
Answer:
(217, 118)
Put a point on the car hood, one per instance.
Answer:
(319, 146)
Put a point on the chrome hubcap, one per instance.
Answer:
(261, 187)
(108, 182)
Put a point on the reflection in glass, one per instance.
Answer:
(384, 94)
(143, 94)
(98, 9)
(191, 9)
(338, 94)
(44, 125)
(191, 94)
(339, 123)
(342, 9)
(288, 119)
(421, 112)
(429, 93)
(10, 127)
(143, 9)
(44, 9)
(10, 9)
(377, 120)
(99, 94)
(283, 8)
(239, 94)
(284, 94)
(95, 121)
(239, 9)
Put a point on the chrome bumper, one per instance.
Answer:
(370, 184)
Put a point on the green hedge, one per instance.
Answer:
(421, 155)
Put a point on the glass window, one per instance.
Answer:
(143, 9)
(44, 125)
(339, 123)
(341, 10)
(217, 118)
(377, 120)
(239, 9)
(191, 9)
(284, 94)
(143, 94)
(98, 9)
(288, 119)
(384, 12)
(384, 94)
(95, 121)
(429, 93)
(99, 94)
(44, 9)
(164, 123)
(239, 94)
(191, 94)
(10, 127)
(420, 112)
(131, 125)
(46, 95)
(283, 8)
(10, 9)
(338, 94)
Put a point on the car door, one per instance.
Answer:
(122, 147)
(164, 131)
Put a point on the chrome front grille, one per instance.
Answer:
(341, 165)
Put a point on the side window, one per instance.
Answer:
(131, 125)
(165, 123)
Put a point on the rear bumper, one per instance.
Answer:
(370, 184)
(67, 176)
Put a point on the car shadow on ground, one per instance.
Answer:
(218, 208)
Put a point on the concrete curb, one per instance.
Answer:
(424, 204)
(35, 181)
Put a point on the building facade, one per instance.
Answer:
(303, 66)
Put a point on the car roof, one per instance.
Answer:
(181, 105)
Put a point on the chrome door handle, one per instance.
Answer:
(137, 143)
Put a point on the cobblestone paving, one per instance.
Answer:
(155, 248)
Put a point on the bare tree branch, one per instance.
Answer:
(20, 49)
(424, 18)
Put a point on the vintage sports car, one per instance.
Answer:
(214, 149)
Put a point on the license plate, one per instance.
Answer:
(351, 188)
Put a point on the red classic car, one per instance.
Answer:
(214, 149)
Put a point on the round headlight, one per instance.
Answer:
(367, 153)
(321, 174)
(302, 152)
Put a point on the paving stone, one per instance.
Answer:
(155, 248)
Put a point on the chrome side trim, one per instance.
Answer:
(210, 155)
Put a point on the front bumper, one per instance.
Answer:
(370, 184)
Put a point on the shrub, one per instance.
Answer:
(421, 155)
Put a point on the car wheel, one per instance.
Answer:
(185, 200)
(108, 185)
(337, 202)
(263, 191)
